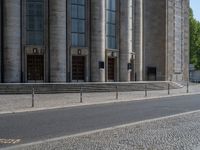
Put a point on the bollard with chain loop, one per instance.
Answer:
(81, 95)
(146, 94)
(168, 89)
(188, 87)
(33, 97)
(117, 92)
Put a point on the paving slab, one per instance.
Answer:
(23, 102)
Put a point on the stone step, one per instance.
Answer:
(86, 87)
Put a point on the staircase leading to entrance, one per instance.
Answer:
(45, 88)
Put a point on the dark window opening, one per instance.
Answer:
(151, 73)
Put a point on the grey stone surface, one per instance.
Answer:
(177, 39)
(166, 40)
(12, 41)
(125, 39)
(160, 39)
(186, 37)
(154, 37)
(97, 40)
(138, 38)
(180, 132)
(23, 102)
(58, 40)
(0, 38)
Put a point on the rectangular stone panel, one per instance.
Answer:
(178, 37)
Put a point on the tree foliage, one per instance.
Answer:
(194, 41)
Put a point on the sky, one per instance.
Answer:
(195, 5)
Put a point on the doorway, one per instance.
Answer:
(35, 68)
(111, 69)
(78, 68)
(151, 73)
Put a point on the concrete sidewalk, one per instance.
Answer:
(20, 103)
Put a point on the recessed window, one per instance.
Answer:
(35, 22)
(78, 21)
(111, 24)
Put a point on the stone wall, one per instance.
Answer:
(166, 38)
(156, 33)
(154, 37)
(177, 39)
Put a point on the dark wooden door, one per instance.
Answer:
(35, 67)
(111, 69)
(78, 68)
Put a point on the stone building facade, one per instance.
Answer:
(93, 40)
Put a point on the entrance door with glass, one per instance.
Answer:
(78, 68)
(111, 69)
(35, 68)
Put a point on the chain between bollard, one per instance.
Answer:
(168, 89)
(81, 95)
(117, 93)
(33, 97)
(146, 94)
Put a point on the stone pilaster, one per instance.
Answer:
(177, 39)
(125, 39)
(57, 40)
(186, 56)
(12, 41)
(138, 39)
(97, 40)
(169, 37)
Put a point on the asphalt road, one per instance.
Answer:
(36, 126)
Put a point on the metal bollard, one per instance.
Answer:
(81, 95)
(188, 87)
(168, 89)
(117, 93)
(33, 97)
(146, 90)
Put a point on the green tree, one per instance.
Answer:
(194, 41)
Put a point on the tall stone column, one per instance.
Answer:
(0, 38)
(12, 41)
(57, 14)
(138, 43)
(97, 40)
(125, 39)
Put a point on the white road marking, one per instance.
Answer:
(100, 130)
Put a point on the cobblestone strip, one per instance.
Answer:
(175, 133)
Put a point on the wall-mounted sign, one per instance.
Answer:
(129, 66)
(101, 65)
